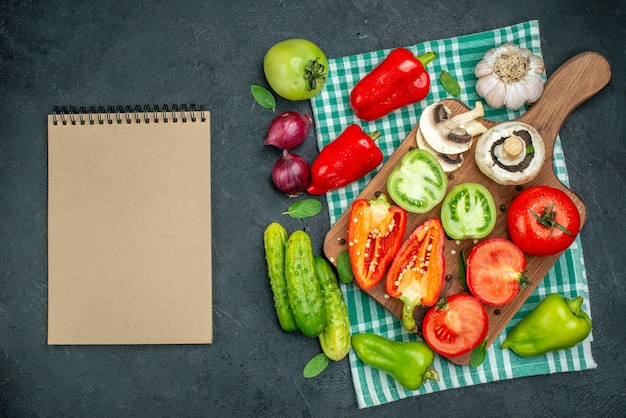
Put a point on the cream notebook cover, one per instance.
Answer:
(129, 226)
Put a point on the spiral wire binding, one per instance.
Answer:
(121, 114)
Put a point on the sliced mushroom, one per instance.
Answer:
(474, 128)
(447, 134)
(510, 153)
(449, 163)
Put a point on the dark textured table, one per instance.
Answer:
(119, 53)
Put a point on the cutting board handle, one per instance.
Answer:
(571, 84)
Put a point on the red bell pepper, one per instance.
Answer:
(399, 80)
(349, 157)
(375, 232)
(417, 273)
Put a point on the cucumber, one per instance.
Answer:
(335, 339)
(275, 240)
(305, 295)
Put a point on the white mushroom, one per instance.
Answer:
(449, 163)
(510, 153)
(449, 135)
(474, 127)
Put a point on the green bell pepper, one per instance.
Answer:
(409, 362)
(556, 323)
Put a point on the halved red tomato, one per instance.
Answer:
(495, 271)
(455, 325)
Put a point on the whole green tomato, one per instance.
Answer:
(296, 69)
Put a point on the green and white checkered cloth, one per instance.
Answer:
(332, 113)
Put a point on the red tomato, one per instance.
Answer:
(456, 325)
(495, 271)
(543, 221)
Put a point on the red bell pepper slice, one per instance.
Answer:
(417, 273)
(349, 157)
(399, 80)
(375, 233)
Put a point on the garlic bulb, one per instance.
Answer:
(509, 76)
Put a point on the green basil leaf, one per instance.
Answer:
(263, 97)
(478, 354)
(449, 83)
(304, 209)
(462, 270)
(315, 366)
(344, 268)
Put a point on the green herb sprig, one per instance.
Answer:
(315, 366)
(304, 209)
(449, 83)
(263, 97)
(344, 268)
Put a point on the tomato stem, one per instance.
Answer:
(524, 281)
(314, 72)
(547, 219)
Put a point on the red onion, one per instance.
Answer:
(288, 130)
(291, 174)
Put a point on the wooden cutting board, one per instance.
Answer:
(574, 82)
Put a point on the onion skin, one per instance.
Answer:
(288, 130)
(291, 174)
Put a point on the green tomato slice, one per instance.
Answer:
(468, 211)
(418, 183)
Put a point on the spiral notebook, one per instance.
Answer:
(129, 225)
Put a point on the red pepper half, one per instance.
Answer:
(349, 157)
(399, 80)
(375, 232)
(417, 273)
